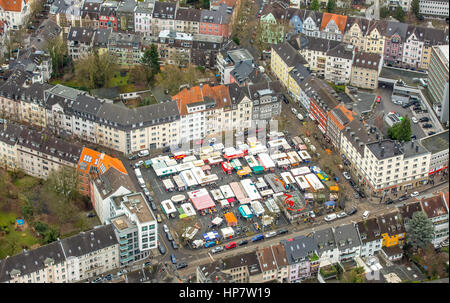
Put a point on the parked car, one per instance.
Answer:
(166, 149)
(346, 175)
(352, 211)
(90, 215)
(173, 259)
(166, 228)
(230, 245)
(270, 234)
(242, 242)
(294, 111)
(352, 183)
(258, 238)
(427, 125)
(158, 218)
(389, 201)
(286, 100)
(362, 194)
(424, 119)
(169, 236)
(431, 133)
(414, 194)
(133, 157)
(378, 99)
(138, 164)
(146, 192)
(330, 217)
(181, 265)
(414, 120)
(403, 198)
(283, 231)
(366, 214)
(174, 245)
(97, 280)
(341, 215)
(217, 249)
(143, 153)
(413, 137)
(108, 277)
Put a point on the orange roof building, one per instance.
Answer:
(339, 20)
(12, 5)
(97, 163)
(231, 219)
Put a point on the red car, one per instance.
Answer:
(230, 245)
(378, 99)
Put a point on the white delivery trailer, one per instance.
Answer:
(250, 189)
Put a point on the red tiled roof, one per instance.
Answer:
(434, 206)
(100, 160)
(340, 21)
(12, 5)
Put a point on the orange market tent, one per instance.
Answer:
(231, 219)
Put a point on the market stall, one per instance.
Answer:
(178, 198)
(217, 194)
(266, 161)
(298, 171)
(258, 209)
(188, 178)
(201, 199)
(188, 209)
(231, 219)
(224, 203)
(245, 211)
(272, 206)
(314, 181)
(227, 232)
(189, 159)
(168, 185)
(302, 182)
(304, 155)
(250, 189)
(211, 236)
(179, 183)
(238, 192)
(226, 167)
(198, 163)
(227, 191)
(230, 153)
(167, 207)
(236, 164)
(217, 221)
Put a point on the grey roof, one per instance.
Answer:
(240, 55)
(320, 91)
(313, 43)
(111, 181)
(369, 230)
(436, 143)
(356, 132)
(398, 28)
(273, 88)
(247, 259)
(35, 93)
(124, 39)
(236, 92)
(222, 15)
(90, 241)
(299, 248)
(325, 240)
(367, 60)
(346, 236)
(391, 223)
(164, 10)
(288, 54)
(101, 36)
(86, 104)
(342, 50)
(149, 115)
(31, 261)
(80, 34)
(241, 72)
(13, 87)
(126, 6)
(143, 8)
(45, 32)
(188, 14)
(299, 73)
(389, 148)
(9, 133)
(363, 24)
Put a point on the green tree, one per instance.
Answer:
(399, 14)
(236, 40)
(314, 5)
(420, 230)
(384, 12)
(205, 4)
(401, 131)
(331, 6)
(50, 235)
(150, 59)
(415, 7)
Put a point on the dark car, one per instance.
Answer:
(427, 125)
(403, 198)
(181, 265)
(282, 231)
(173, 259)
(90, 215)
(174, 245)
(361, 194)
(352, 211)
(352, 183)
(133, 157)
(389, 201)
(431, 133)
(153, 205)
(424, 119)
(413, 137)
(108, 277)
(417, 107)
(285, 99)
(242, 242)
(166, 149)
(169, 237)
(407, 105)
(162, 250)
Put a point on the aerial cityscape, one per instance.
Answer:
(224, 141)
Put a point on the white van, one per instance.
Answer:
(366, 214)
(137, 171)
(143, 153)
(141, 182)
(330, 217)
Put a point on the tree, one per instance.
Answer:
(331, 6)
(95, 70)
(236, 40)
(399, 14)
(415, 7)
(172, 77)
(205, 4)
(57, 49)
(64, 182)
(420, 230)
(139, 75)
(314, 5)
(150, 59)
(384, 12)
(401, 131)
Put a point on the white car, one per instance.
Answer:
(346, 175)
(366, 214)
(143, 153)
(331, 217)
(414, 120)
(139, 163)
(166, 229)
(270, 234)
(341, 215)
(415, 194)
(217, 249)
(300, 117)
(294, 111)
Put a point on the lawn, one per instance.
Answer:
(118, 80)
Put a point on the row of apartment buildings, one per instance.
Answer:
(148, 17)
(13, 13)
(193, 113)
(400, 44)
(300, 258)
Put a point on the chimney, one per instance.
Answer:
(382, 151)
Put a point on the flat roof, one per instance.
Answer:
(122, 222)
(437, 142)
(136, 204)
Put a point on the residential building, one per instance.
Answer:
(32, 104)
(14, 12)
(273, 263)
(143, 18)
(65, 14)
(187, 20)
(89, 254)
(356, 31)
(365, 70)
(273, 23)
(434, 8)
(229, 58)
(326, 247)
(107, 16)
(430, 37)
(347, 241)
(438, 146)
(174, 47)
(90, 12)
(375, 39)
(438, 72)
(125, 47)
(434, 208)
(370, 235)
(333, 26)
(301, 253)
(412, 47)
(135, 226)
(216, 22)
(312, 23)
(79, 42)
(266, 98)
(243, 268)
(163, 17)
(125, 15)
(314, 50)
(212, 273)
(35, 62)
(392, 229)
(283, 59)
(101, 37)
(395, 37)
(296, 77)
(339, 64)
(337, 119)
